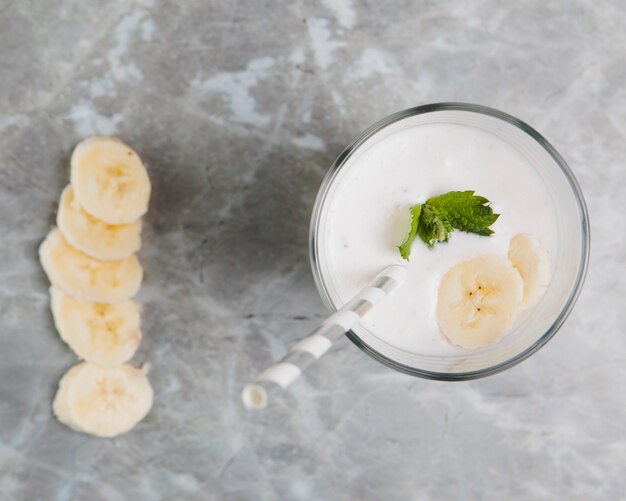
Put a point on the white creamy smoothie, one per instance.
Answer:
(366, 216)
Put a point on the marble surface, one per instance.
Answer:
(239, 109)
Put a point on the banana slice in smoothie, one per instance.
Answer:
(109, 180)
(478, 300)
(86, 278)
(533, 263)
(105, 334)
(92, 236)
(103, 401)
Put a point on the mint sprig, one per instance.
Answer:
(435, 219)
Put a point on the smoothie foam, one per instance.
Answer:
(367, 216)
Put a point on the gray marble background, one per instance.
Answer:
(239, 108)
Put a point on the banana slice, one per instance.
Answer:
(92, 236)
(103, 401)
(109, 180)
(478, 300)
(105, 334)
(533, 263)
(86, 278)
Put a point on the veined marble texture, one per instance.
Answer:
(239, 108)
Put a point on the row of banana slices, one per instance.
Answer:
(479, 299)
(90, 261)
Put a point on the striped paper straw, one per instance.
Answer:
(280, 375)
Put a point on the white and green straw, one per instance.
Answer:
(277, 377)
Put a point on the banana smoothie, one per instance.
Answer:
(473, 285)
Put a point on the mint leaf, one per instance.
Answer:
(405, 247)
(466, 211)
(434, 220)
(434, 226)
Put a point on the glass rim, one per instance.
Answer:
(473, 108)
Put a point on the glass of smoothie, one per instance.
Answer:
(362, 214)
